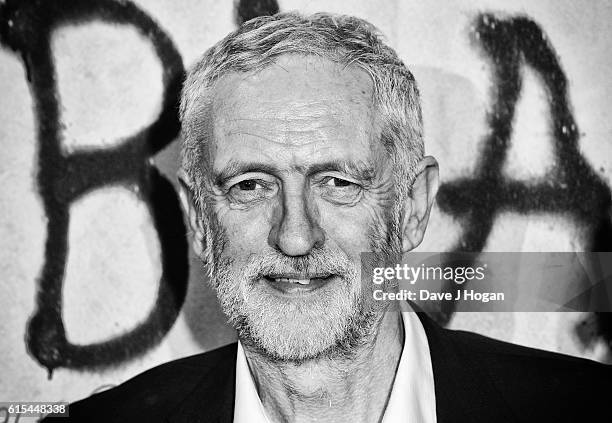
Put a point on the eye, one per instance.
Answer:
(251, 190)
(337, 182)
(340, 191)
(248, 185)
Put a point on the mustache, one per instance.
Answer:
(318, 263)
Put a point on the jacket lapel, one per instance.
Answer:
(212, 400)
(464, 390)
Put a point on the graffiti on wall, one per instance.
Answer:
(63, 178)
(572, 187)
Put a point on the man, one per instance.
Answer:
(302, 149)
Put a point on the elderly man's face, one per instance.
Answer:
(298, 186)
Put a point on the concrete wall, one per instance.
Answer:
(94, 256)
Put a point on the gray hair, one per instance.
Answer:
(345, 40)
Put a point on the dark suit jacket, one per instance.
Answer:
(477, 379)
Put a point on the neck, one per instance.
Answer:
(332, 389)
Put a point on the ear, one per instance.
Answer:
(418, 205)
(187, 197)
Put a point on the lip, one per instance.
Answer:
(292, 284)
(299, 275)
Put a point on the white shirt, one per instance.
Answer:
(412, 395)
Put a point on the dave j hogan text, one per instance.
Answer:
(426, 295)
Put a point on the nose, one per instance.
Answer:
(296, 230)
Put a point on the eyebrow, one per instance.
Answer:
(235, 168)
(362, 171)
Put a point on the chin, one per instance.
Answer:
(298, 328)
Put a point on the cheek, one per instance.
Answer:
(247, 230)
(349, 227)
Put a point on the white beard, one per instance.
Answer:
(329, 322)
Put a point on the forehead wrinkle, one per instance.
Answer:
(262, 108)
(293, 131)
(284, 122)
(355, 82)
(291, 140)
(313, 113)
(254, 135)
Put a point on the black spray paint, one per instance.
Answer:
(27, 28)
(249, 9)
(572, 188)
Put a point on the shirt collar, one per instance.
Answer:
(412, 396)
(247, 405)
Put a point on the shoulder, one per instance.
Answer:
(481, 379)
(152, 395)
(536, 383)
(505, 356)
